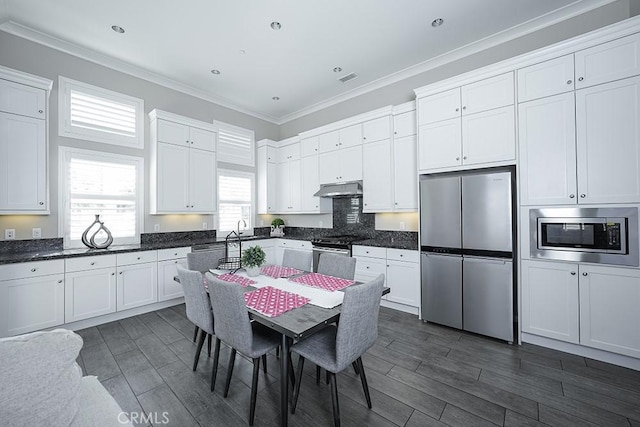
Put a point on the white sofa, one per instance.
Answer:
(43, 385)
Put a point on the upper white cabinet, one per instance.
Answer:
(288, 173)
(266, 176)
(376, 129)
(404, 124)
(377, 177)
(341, 165)
(310, 179)
(183, 165)
(468, 126)
(607, 62)
(342, 138)
(405, 174)
(24, 184)
(546, 78)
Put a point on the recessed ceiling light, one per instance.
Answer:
(337, 69)
(216, 72)
(275, 25)
(117, 29)
(276, 98)
(437, 22)
(242, 51)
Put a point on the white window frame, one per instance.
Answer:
(233, 172)
(63, 193)
(65, 128)
(228, 154)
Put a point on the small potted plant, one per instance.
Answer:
(252, 260)
(277, 227)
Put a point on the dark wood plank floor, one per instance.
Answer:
(419, 375)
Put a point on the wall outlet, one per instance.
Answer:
(401, 225)
(36, 233)
(10, 234)
(156, 227)
(204, 225)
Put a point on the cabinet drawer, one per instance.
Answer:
(371, 266)
(89, 263)
(25, 270)
(173, 253)
(136, 257)
(264, 243)
(295, 244)
(24, 100)
(403, 255)
(369, 251)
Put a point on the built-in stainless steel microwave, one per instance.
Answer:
(597, 235)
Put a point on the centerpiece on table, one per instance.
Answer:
(277, 227)
(252, 260)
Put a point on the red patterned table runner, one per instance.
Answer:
(277, 271)
(243, 281)
(328, 283)
(273, 302)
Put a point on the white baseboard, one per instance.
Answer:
(401, 307)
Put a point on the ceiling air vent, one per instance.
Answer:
(348, 77)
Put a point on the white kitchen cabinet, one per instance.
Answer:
(607, 133)
(310, 182)
(439, 145)
(489, 136)
(405, 173)
(183, 165)
(546, 78)
(438, 107)
(487, 94)
(547, 151)
(403, 277)
(370, 262)
(404, 124)
(609, 315)
(614, 60)
(309, 146)
(31, 296)
(137, 279)
(90, 287)
(288, 177)
(350, 136)
(168, 261)
(377, 129)
(550, 302)
(21, 99)
(377, 179)
(268, 246)
(266, 177)
(340, 165)
(282, 244)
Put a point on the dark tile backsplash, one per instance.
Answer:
(186, 236)
(31, 245)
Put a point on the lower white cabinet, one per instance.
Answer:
(137, 280)
(269, 248)
(168, 261)
(282, 244)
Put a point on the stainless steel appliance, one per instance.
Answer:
(340, 245)
(467, 241)
(598, 235)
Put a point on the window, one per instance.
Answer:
(235, 144)
(235, 200)
(100, 183)
(95, 114)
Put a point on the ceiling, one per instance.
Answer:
(178, 43)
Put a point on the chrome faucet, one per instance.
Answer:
(244, 225)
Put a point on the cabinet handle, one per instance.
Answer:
(366, 204)
(464, 107)
(364, 137)
(187, 205)
(175, 262)
(582, 196)
(41, 203)
(187, 141)
(569, 82)
(457, 158)
(113, 274)
(33, 270)
(457, 109)
(40, 111)
(464, 158)
(395, 133)
(120, 272)
(580, 79)
(176, 254)
(59, 281)
(572, 196)
(336, 144)
(401, 255)
(341, 143)
(396, 203)
(367, 267)
(585, 274)
(93, 263)
(573, 273)
(138, 257)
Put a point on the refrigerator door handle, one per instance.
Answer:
(487, 259)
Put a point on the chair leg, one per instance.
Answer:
(203, 335)
(355, 368)
(278, 352)
(292, 375)
(326, 377)
(232, 361)
(296, 388)
(216, 357)
(195, 334)
(264, 363)
(209, 344)
(317, 374)
(334, 399)
(363, 379)
(254, 390)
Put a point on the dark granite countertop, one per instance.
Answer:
(389, 243)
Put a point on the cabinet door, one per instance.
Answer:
(377, 129)
(21, 99)
(137, 285)
(404, 124)
(295, 185)
(608, 131)
(173, 178)
(173, 133)
(350, 136)
(404, 280)
(202, 181)
(609, 315)
(405, 174)
(550, 300)
(202, 139)
(489, 136)
(23, 160)
(440, 145)
(261, 180)
(310, 184)
(32, 304)
(272, 184)
(607, 62)
(487, 94)
(89, 294)
(329, 167)
(438, 107)
(309, 146)
(546, 78)
(167, 287)
(283, 194)
(547, 151)
(377, 182)
(329, 141)
(351, 163)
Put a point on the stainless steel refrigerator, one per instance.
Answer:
(467, 241)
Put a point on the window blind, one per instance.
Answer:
(104, 115)
(235, 199)
(235, 144)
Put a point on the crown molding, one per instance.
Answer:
(30, 34)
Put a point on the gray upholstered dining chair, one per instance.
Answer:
(337, 266)
(336, 347)
(301, 260)
(202, 261)
(197, 306)
(234, 328)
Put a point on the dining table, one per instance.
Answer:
(293, 325)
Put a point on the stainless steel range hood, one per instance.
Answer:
(345, 189)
